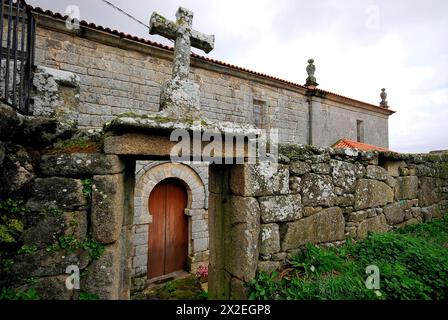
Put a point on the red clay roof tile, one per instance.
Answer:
(350, 144)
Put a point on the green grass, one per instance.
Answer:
(434, 232)
(413, 265)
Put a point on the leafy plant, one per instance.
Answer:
(87, 185)
(88, 296)
(94, 248)
(26, 249)
(14, 207)
(435, 232)
(11, 227)
(413, 264)
(73, 222)
(169, 287)
(203, 295)
(70, 243)
(53, 212)
(12, 294)
(412, 268)
(6, 265)
(264, 286)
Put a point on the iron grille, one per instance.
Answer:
(17, 38)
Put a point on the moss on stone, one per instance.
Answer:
(163, 119)
(128, 115)
(295, 152)
(79, 145)
(443, 170)
(434, 157)
(188, 288)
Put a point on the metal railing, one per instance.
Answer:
(17, 39)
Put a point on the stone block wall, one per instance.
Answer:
(342, 123)
(119, 76)
(56, 93)
(66, 203)
(117, 80)
(260, 216)
(73, 208)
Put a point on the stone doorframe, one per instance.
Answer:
(146, 179)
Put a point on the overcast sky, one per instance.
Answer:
(359, 46)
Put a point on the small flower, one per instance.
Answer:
(313, 269)
(202, 272)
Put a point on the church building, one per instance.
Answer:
(91, 74)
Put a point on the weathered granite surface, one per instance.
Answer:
(316, 195)
(180, 96)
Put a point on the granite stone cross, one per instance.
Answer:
(180, 96)
(182, 32)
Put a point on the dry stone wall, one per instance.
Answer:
(61, 207)
(260, 217)
(64, 202)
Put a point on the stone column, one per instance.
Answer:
(112, 220)
(219, 208)
(234, 226)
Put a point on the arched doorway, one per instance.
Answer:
(168, 232)
(193, 177)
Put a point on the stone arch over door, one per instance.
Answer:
(147, 177)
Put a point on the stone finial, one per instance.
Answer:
(311, 70)
(383, 96)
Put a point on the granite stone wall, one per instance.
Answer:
(63, 203)
(259, 217)
(117, 77)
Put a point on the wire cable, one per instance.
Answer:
(125, 13)
(128, 15)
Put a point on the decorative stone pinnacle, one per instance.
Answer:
(311, 70)
(180, 96)
(383, 96)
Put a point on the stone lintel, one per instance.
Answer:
(159, 145)
(151, 137)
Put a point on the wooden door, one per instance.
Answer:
(168, 233)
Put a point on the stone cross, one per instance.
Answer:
(180, 97)
(182, 32)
